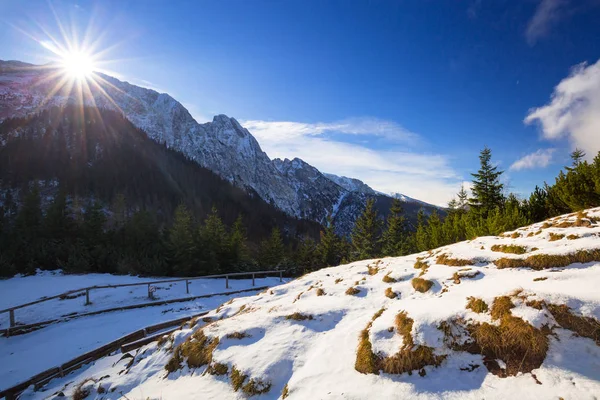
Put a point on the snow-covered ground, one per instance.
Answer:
(26, 355)
(315, 358)
(21, 290)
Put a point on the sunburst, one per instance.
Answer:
(75, 63)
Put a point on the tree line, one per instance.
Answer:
(488, 211)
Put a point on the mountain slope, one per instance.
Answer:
(223, 145)
(350, 332)
(96, 153)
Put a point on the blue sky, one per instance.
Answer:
(400, 94)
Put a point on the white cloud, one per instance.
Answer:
(539, 159)
(574, 110)
(426, 177)
(547, 13)
(353, 126)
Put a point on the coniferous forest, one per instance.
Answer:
(86, 191)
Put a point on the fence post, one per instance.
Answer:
(226, 281)
(187, 286)
(149, 292)
(253, 279)
(280, 276)
(12, 318)
(87, 297)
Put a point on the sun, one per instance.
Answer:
(78, 65)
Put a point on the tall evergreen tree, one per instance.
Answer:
(182, 242)
(366, 235)
(487, 189)
(328, 249)
(272, 252)
(421, 235)
(394, 236)
(214, 243)
(238, 250)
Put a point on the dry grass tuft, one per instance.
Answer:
(509, 248)
(299, 317)
(367, 361)
(522, 347)
(546, 225)
(237, 378)
(584, 326)
(389, 293)
(217, 369)
(443, 259)
(555, 236)
(515, 235)
(477, 305)
(540, 262)
(456, 277)
(542, 278)
(388, 279)
(338, 280)
(198, 350)
(320, 292)
(80, 392)
(421, 285)
(372, 270)
(409, 358)
(573, 237)
(421, 265)
(255, 387)
(285, 392)
(352, 291)
(537, 304)
(207, 319)
(164, 339)
(501, 307)
(237, 335)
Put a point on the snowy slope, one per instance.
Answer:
(60, 342)
(315, 358)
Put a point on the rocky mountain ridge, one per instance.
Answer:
(223, 145)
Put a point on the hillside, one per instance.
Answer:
(222, 145)
(514, 316)
(96, 153)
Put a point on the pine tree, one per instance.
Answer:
(434, 230)
(238, 250)
(328, 249)
(272, 250)
(215, 240)
(421, 235)
(487, 189)
(26, 242)
(367, 233)
(463, 199)
(394, 237)
(181, 242)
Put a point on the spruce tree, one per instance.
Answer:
(366, 235)
(421, 235)
(182, 243)
(463, 199)
(214, 238)
(238, 250)
(434, 230)
(328, 249)
(487, 189)
(394, 236)
(272, 252)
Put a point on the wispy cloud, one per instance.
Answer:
(574, 110)
(539, 159)
(546, 15)
(282, 130)
(424, 176)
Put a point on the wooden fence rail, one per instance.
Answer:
(149, 284)
(132, 340)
